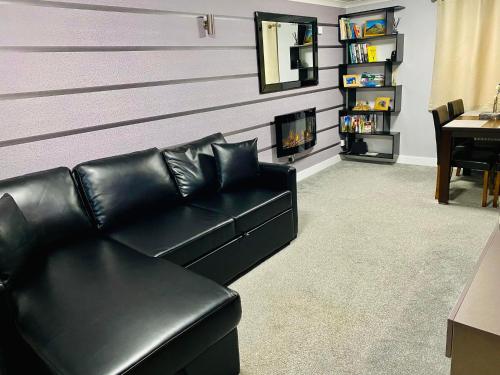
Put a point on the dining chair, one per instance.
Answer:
(496, 189)
(462, 156)
(456, 108)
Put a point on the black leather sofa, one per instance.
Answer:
(133, 251)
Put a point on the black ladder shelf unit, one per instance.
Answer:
(353, 94)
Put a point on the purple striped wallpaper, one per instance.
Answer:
(93, 78)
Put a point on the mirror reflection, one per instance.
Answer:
(288, 48)
(287, 51)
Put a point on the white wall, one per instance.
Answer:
(418, 24)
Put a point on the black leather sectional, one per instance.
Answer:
(134, 252)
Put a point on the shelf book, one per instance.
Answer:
(358, 53)
(365, 124)
(349, 29)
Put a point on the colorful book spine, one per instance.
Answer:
(358, 53)
(361, 124)
(349, 30)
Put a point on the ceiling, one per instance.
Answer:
(341, 3)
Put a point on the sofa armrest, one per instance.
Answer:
(282, 177)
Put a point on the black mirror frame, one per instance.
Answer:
(282, 86)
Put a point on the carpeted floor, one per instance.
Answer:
(367, 286)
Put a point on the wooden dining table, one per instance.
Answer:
(467, 125)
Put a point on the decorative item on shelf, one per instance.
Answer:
(362, 106)
(359, 147)
(308, 37)
(395, 24)
(295, 38)
(374, 28)
(372, 80)
(372, 53)
(382, 103)
(351, 80)
(394, 56)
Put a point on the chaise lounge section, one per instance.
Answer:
(128, 269)
(90, 305)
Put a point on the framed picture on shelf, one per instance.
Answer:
(308, 37)
(374, 28)
(382, 103)
(352, 80)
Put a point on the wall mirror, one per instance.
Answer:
(287, 49)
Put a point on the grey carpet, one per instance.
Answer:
(367, 286)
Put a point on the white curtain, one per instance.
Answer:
(467, 56)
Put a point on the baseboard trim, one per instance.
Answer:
(308, 172)
(417, 160)
(402, 159)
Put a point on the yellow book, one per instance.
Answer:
(372, 53)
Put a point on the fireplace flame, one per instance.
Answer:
(295, 139)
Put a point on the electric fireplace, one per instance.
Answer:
(295, 132)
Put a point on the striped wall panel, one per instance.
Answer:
(27, 73)
(244, 9)
(92, 78)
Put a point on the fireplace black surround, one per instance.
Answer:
(295, 132)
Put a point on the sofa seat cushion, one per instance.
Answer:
(98, 307)
(249, 208)
(181, 234)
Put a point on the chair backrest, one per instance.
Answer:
(441, 118)
(456, 108)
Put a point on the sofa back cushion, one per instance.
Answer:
(51, 203)
(193, 166)
(17, 241)
(124, 187)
